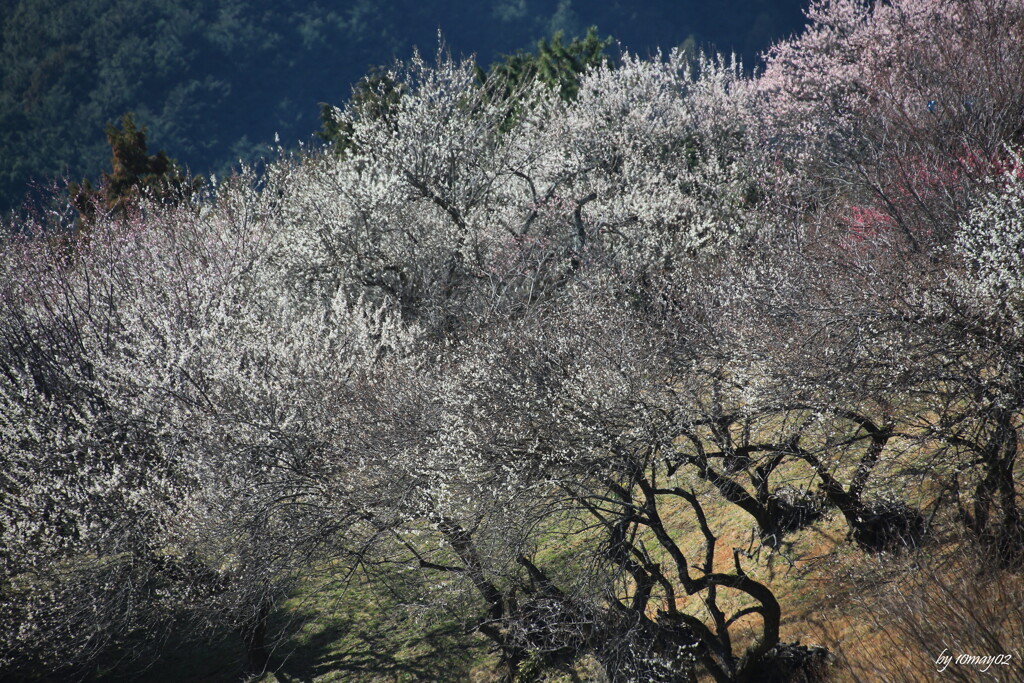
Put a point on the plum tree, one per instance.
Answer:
(516, 367)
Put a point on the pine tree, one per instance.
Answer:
(135, 174)
(555, 64)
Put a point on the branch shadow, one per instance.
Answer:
(392, 649)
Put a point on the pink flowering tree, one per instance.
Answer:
(904, 105)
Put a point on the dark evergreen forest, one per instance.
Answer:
(214, 82)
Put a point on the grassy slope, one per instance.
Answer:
(831, 594)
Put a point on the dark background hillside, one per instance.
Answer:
(214, 82)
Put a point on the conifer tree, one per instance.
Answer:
(554, 64)
(135, 174)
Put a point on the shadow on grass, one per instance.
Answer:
(363, 639)
(362, 632)
(219, 659)
(378, 651)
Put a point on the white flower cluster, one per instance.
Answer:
(991, 242)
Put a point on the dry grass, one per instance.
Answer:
(946, 603)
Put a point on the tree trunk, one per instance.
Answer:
(254, 635)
